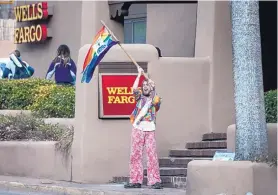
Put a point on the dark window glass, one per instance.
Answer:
(135, 30)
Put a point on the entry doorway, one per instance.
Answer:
(268, 27)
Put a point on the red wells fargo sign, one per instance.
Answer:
(116, 95)
(31, 33)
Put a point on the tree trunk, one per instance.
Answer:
(251, 133)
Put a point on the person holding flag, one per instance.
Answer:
(143, 119)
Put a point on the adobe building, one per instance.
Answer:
(193, 74)
(177, 28)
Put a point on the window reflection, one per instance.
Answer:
(135, 30)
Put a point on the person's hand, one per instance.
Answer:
(140, 70)
(152, 84)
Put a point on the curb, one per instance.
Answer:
(60, 190)
(48, 189)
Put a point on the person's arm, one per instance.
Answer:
(136, 91)
(73, 71)
(29, 68)
(7, 74)
(136, 82)
(11, 67)
(156, 100)
(51, 71)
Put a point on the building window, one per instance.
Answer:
(135, 30)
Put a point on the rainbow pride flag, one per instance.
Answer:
(101, 45)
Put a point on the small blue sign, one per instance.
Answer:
(224, 156)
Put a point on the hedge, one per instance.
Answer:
(47, 99)
(28, 127)
(18, 94)
(54, 101)
(271, 106)
(41, 96)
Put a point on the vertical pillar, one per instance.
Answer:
(214, 40)
(91, 135)
(251, 134)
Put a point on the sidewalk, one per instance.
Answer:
(60, 187)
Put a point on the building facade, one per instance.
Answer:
(194, 75)
(177, 28)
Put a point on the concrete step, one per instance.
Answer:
(177, 162)
(171, 171)
(207, 144)
(167, 181)
(194, 152)
(214, 136)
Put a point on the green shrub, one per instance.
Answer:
(46, 99)
(29, 128)
(18, 94)
(54, 101)
(41, 96)
(271, 106)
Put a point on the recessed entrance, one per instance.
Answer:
(268, 25)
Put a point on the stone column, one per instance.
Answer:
(251, 134)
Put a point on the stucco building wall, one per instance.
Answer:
(172, 28)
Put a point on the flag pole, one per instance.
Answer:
(128, 55)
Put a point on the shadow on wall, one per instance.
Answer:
(158, 51)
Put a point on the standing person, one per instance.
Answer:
(63, 67)
(16, 68)
(143, 119)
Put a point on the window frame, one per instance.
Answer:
(132, 21)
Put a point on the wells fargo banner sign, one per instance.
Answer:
(115, 93)
(36, 11)
(29, 13)
(28, 34)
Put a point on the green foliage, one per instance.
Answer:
(54, 101)
(18, 94)
(65, 142)
(47, 99)
(43, 97)
(27, 127)
(270, 160)
(271, 106)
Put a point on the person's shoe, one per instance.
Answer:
(157, 186)
(132, 185)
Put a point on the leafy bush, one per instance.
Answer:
(54, 101)
(27, 127)
(271, 106)
(41, 96)
(47, 99)
(270, 160)
(18, 94)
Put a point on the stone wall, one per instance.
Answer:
(44, 160)
(34, 159)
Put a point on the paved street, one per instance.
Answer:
(10, 185)
(4, 192)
